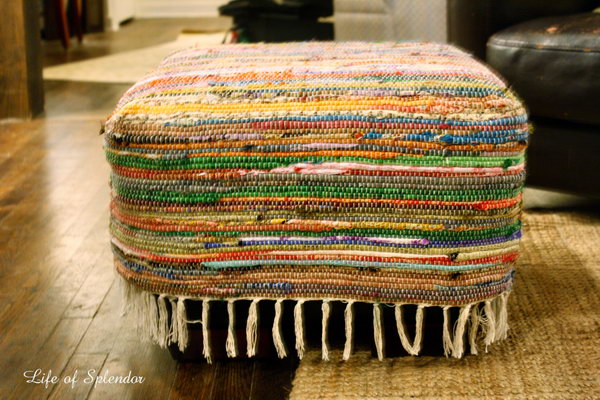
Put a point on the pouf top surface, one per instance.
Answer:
(194, 89)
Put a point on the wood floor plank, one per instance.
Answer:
(89, 297)
(106, 325)
(51, 356)
(273, 378)
(131, 355)
(40, 302)
(233, 379)
(84, 368)
(194, 381)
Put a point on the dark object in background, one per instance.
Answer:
(268, 21)
(471, 23)
(553, 64)
(91, 18)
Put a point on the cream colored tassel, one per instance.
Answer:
(277, 336)
(163, 321)
(459, 332)
(252, 328)
(173, 337)
(414, 348)
(126, 294)
(446, 339)
(502, 322)
(378, 330)
(474, 328)
(490, 316)
(299, 328)
(205, 331)
(419, 330)
(151, 309)
(325, 309)
(182, 328)
(230, 344)
(349, 329)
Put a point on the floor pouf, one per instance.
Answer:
(384, 173)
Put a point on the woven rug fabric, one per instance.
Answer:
(553, 346)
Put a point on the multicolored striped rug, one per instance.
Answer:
(387, 173)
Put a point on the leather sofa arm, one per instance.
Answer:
(471, 22)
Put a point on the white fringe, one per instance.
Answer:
(488, 318)
(150, 317)
(378, 330)
(205, 332)
(127, 299)
(490, 323)
(415, 347)
(349, 330)
(163, 322)
(173, 329)
(446, 339)
(325, 309)
(299, 328)
(502, 317)
(182, 329)
(230, 344)
(458, 346)
(251, 328)
(277, 336)
(474, 328)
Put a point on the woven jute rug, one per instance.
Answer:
(553, 347)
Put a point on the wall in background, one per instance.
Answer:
(177, 8)
(394, 20)
(119, 11)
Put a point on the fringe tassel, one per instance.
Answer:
(349, 330)
(251, 328)
(446, 339)
(277, 336)
(419, 329)
(325, 309)
(378, 330)
(401, 329)
(182, 328)
(459, 331)
(490, 318)
(151, 315)
(502, 318)
(230, 344)
(173, 331)
(299, 328)
(415, 347)
(163, 321)
(205, 332)
(126, 295)
(474, 328)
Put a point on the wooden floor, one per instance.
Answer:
(59, 304)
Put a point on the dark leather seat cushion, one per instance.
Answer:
(553, 64)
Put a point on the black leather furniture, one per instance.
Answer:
(553, 63)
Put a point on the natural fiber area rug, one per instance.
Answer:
(128, 66)
(553, 348)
